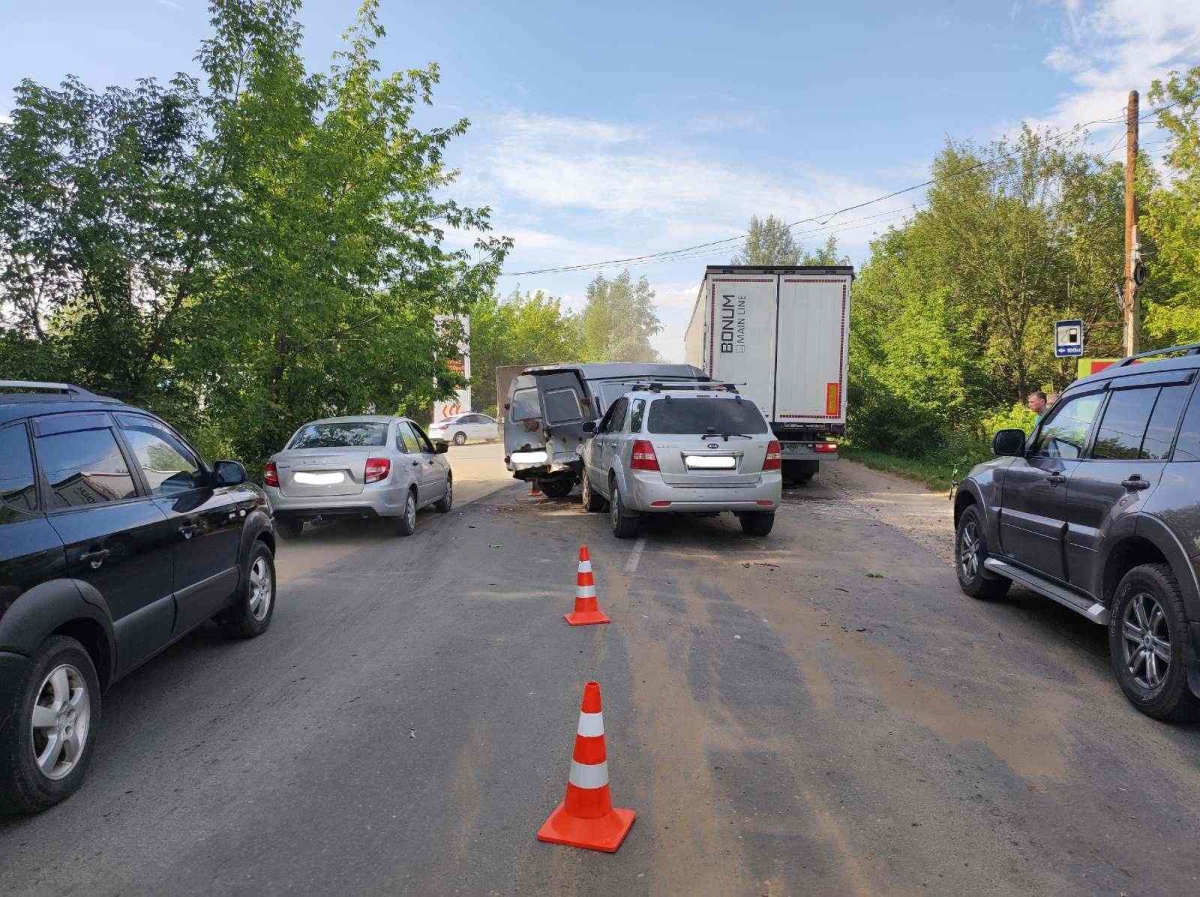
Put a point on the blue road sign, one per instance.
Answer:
(1068, 339)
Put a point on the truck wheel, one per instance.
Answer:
(970, 551)
(1149, 643)
(758, 524)
(47, 745)
(557, 488)
(623, 525)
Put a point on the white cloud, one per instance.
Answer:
(5, 119)
(171, 4)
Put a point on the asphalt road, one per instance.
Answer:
(818, 712)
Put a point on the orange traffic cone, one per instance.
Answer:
(534, 488)
(586, 817)
(587, 611)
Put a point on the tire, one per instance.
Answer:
(460, 438)
(406, 523)
(758, 524)
(24, 787)
(289, 527)
(557, 488)
(1148, 600)
(592, 503)
(445, 503)
(970, 551)
(254, 606)
(623, 525)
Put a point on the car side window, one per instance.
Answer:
(84, 467)
(1161, 432)
(616, 418)
(411, 446)
(169, 465)
(1065, 432)
(635, 418)
(18, 486)
(1124, 423)
(424, 445)
(1187, 446)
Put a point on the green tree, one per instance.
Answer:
(770, 242)
(619, 320)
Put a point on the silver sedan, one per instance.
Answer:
(363, 466)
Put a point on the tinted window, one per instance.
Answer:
(1066, 431)
(1187, 446)
(84, 467)
(1157, 444)
(562, 406)
(18, 490)
(351, 434)
(703, 414)
(525, 405)
(639, 413)
(1124, 424)
(408, 440)
(168, 464)
(616, 416)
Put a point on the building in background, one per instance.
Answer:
(460, 402)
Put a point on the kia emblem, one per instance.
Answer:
(714, 445)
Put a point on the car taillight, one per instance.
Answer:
(774, 459)
(825, 447)
(643, 456)
(271, 474)
(377, 469)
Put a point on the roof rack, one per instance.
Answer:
(710, 386)
(1186, 349)
(24, 389)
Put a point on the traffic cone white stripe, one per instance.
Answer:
(586, 592)
(591, 725)
(585, 566)
(588, 775)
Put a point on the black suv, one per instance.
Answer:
(1100, 510)
(116, 539)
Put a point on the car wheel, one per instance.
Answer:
(557, 488)
(289, 527)
(758, 524)
(48, 743)
(406, 525)
(460, 438)
(1149, 643)
(252, 609)
(623, 525)
(446, 502)
(970, 551)
(592, 503)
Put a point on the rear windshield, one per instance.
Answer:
(702, 414)
(525, 405)
(562, 406)
(344, 435)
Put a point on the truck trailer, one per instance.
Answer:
(781, 334)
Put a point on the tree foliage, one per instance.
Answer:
(619, 320)
(770, 241)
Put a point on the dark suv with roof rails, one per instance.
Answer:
(1099, 509)
(116, 540)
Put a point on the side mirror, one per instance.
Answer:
(440, 446)
(230, 473)
(589, 426)
(1008, 442)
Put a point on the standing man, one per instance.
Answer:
(1037, 403)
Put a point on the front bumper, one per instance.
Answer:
(647, 487)
(385, 501)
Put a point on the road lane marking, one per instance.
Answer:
(635, 555)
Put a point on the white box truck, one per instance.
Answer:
(782, 335)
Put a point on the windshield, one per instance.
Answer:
(350, 434)
(701, 414)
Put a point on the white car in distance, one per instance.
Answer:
(464, 428)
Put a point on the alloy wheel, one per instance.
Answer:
(62, 715)
(1147, 641)
(260, 588)
(410, 511)
(968, 550)
(614, 507)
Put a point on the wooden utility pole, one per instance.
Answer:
(1132, 310)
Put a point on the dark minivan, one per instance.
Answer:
(116, 539)
(1099, 509)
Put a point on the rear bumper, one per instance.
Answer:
(805, 451)
(371, 502)
(646, 488)
(532, 464)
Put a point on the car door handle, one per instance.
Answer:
(188, 531)
(1056, 479)
(1135, 483)
(95, 558)
(416, 464)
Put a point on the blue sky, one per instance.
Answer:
(602, 131)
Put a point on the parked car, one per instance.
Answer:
(116, 539)
(548, 405)
(1099, 510)
(669, 450)
(365, 466)
(464, 428)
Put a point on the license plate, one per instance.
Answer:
(317, 479)
(710, 462)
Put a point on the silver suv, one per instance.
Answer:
(682, 450)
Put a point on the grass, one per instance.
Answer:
(936, 472)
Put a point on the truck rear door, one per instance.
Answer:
(564, 409)
(741, 334)
(810, 366)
